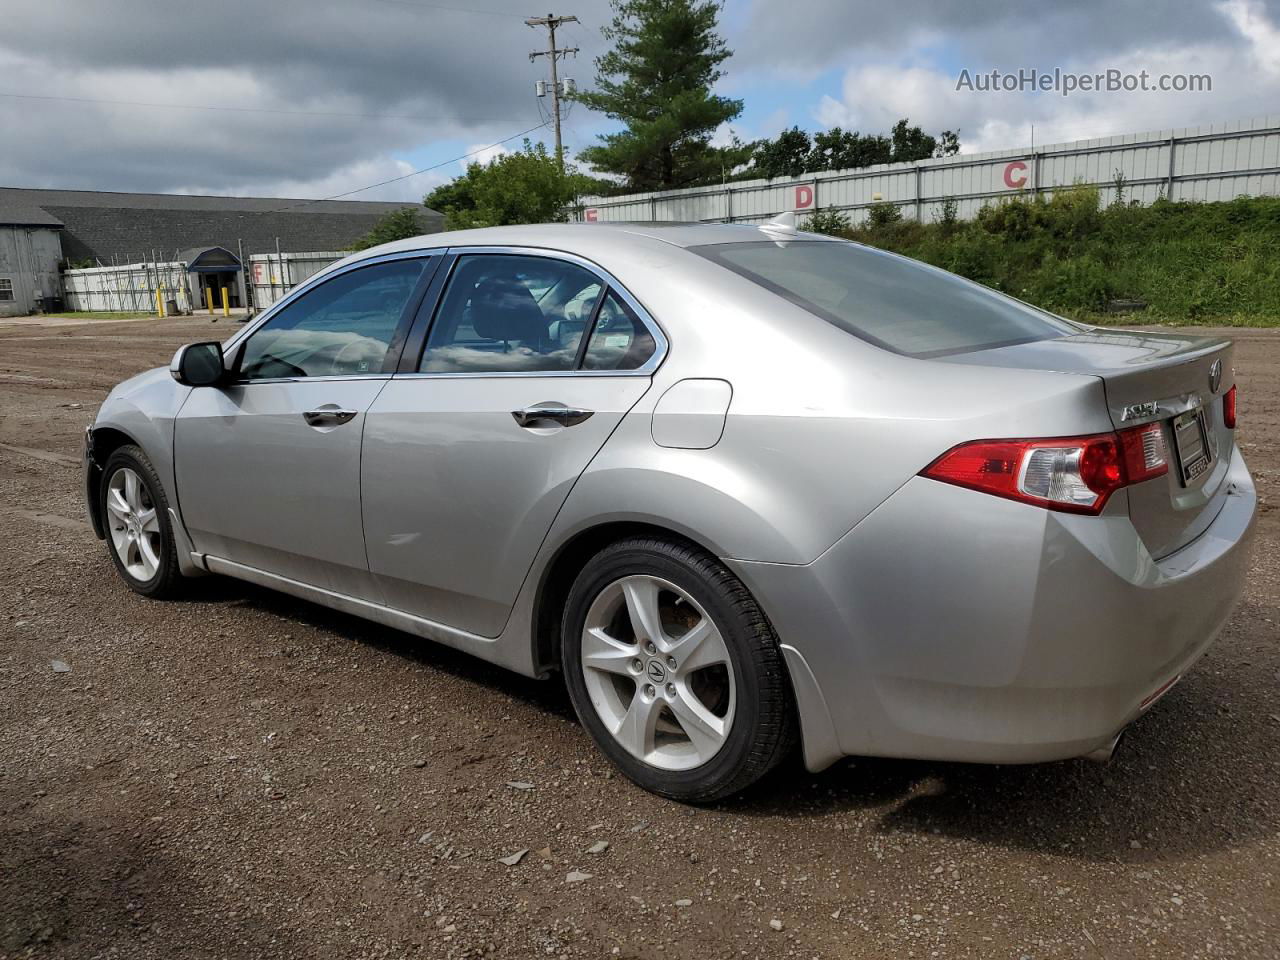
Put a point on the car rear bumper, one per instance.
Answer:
(953, 625)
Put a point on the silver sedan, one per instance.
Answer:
(743, 486)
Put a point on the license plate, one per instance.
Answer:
(1191, 440)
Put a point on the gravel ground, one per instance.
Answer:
(247, 775)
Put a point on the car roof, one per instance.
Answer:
(583, 237)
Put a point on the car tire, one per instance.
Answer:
(696, 730)
(135, 518)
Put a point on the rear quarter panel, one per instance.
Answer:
(821, 428)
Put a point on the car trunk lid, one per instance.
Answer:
(1175, 379)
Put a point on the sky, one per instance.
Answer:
(320, 98)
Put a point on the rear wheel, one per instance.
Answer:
(675, 671)
(136, 516)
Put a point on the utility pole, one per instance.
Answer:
(551, 21)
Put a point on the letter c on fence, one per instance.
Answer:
(1012, 180)
(804, 197)
(591, 215)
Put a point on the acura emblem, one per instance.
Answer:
(1215, 376)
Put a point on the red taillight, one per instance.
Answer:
(1145, 454)
(1229, 408)
(1076, 474)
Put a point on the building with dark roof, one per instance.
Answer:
(89, 227)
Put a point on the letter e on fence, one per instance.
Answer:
(591, 215)
(804, 196)
(1015, 175)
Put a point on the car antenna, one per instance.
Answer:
(781, 227)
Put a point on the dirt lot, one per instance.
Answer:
(246, 775)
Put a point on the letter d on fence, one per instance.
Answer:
(804, 196)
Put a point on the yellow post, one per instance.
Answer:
(226, 306)
(208, 298)
(159, 303)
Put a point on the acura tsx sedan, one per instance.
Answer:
(742, 485)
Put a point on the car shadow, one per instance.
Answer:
(1190, 777)
(539, 694)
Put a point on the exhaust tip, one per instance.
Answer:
(1105, 752)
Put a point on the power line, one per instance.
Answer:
(196, 106)
(434, 166)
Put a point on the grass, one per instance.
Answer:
(1189, 263)
(101, 315)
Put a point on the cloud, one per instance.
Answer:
(817, 34)
(1241, 61)
(313, 99)
(1251, 19)
(300, 98)
(482, 154)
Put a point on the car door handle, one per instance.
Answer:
(328, 416)
(565, 416)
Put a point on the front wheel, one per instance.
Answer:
(136, 516)
(675, 671)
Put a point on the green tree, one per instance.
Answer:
(787, 156)
(526, 186)
(838, 149)
(396, 225)
(911, 143)
(793, 153)
(657, 80)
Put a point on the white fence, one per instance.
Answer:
(272, 275)
(130, 286)
(1217, 162)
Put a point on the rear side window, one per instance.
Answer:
(619, 341)
(894, 302)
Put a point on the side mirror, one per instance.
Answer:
(199, 365)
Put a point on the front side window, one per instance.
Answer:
(343, 327)
(6, 288)
(508, 313)
(894, 302)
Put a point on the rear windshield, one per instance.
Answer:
(896, 303)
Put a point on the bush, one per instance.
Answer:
(949, 215)
(831, 222)
(1190, 262)
(883, 213)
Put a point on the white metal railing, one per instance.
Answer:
(127, 287)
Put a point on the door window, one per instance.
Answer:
(342, 328)
(506, 313)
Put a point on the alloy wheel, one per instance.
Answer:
(658, 672)
(134, 524)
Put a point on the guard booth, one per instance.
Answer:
(212, 268)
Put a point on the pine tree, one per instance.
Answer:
(657, 80)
